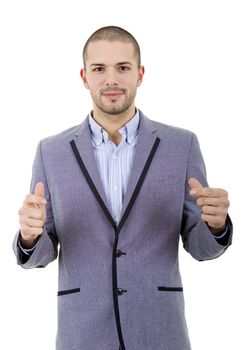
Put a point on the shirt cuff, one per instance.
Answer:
(224, 237)
(222, 233)
(26, 251)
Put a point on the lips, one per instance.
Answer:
(112, 93)
(112, 96)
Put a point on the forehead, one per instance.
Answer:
(107, 52)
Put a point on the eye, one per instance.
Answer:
(98, 69)
(124, 68)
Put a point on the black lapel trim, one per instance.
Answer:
(115, 296)
(91, 184)
(139, 184)
(96, 193)
(121, 223)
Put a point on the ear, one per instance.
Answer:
(141, 74)
(84, 79)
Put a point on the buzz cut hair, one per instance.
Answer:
(112, 33)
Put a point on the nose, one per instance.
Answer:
(111, 79)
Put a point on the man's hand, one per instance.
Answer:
(32, 216)
(213, 202)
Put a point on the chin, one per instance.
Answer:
(113, 111)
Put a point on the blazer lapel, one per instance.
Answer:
(84, 145)
(146, 140)
(147, 144)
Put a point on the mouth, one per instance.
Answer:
(113, 95)
(113, 92)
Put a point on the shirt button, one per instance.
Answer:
(114, 156)
(120, 291)
(115, 187)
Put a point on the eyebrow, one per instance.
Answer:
(118, 64)
(122, 63)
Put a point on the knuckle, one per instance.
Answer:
(209, 191)
(39, 224)
(200, 201)
(203, 216)
(206, 208)
(205, 201)
(40, 214)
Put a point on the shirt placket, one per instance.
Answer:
(115, 191)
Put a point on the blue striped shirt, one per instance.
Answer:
(114, 163)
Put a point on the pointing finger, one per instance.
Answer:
(196, 187)
(39, 189)
(194, 183)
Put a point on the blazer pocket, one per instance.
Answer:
(68, 291)
(170, 289)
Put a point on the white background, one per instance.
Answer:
(193, 52)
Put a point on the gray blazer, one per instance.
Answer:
(120, 285)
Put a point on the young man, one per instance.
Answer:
(115, 194)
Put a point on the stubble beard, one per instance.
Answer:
(114, 109)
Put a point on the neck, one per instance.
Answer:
(112, 123)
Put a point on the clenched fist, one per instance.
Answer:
(214, 203)
(32, 216)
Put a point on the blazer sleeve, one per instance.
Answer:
(46, 249)
(197, 238)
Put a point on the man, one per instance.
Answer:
(115, 194)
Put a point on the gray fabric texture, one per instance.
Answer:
(78, 232)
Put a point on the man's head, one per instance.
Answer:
(111, 34)
(112, 71)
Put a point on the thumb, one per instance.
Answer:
(39, 189)
(195, 186)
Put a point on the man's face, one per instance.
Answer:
(112, 75)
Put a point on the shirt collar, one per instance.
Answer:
(129, 130)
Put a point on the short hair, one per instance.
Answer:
(113, 33)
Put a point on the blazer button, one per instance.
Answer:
(119, 253)
(120, 291)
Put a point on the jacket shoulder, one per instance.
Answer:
(172, 131)
(165, 130)
(62, 137)
(55, 144)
